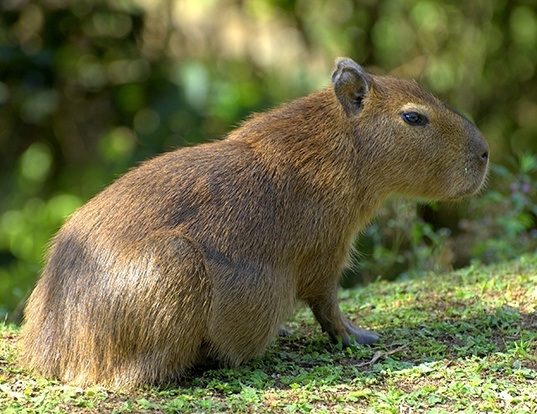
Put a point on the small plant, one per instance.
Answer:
(509, 213)
(400, 243)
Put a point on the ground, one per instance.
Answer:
(464, 341)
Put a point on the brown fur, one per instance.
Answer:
(202, 253)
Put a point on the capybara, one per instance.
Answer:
(203, 253)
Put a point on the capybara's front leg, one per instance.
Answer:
(337, 325)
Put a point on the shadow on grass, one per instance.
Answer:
(308, 356)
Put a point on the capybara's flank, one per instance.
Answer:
(202, 253)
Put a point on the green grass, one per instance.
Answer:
(460, 342)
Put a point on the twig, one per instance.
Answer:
(379, 354)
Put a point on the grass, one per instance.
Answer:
(459, 342)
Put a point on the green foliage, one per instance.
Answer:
(399, 243)
(509, 214)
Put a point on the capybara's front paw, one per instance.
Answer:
(359, 335)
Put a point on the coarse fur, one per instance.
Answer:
(203, 252)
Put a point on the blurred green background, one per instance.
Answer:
(90, 88)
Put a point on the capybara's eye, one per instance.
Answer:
(414, 118)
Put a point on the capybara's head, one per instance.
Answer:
(427, 149)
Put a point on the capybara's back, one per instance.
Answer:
(201, 254)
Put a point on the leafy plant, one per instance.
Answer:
(398, 244)
(509, 213)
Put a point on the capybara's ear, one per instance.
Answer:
(351, 84)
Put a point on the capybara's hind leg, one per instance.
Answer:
(138, 317)
(174, 300)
